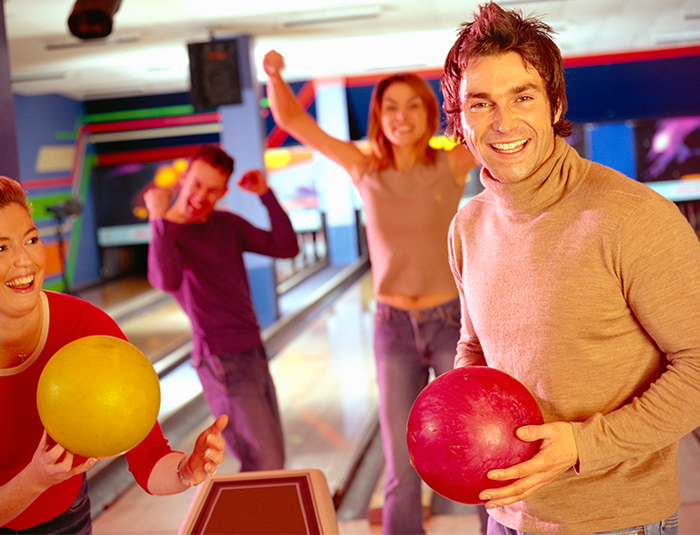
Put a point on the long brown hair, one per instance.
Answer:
(495, 30)
(382, 155)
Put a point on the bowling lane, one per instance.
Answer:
(114, 294)
(150, 319)
(160, 331)
(326, 386)
(327, 392)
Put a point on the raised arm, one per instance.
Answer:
(164, 258)
(281, 240)
(291, 118)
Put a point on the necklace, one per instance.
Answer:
(22, 356)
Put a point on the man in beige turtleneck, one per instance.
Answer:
(578, 281)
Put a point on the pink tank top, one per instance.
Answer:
(407, 216)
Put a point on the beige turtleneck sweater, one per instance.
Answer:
(585, 286)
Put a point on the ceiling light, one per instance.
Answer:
(18, 78)
(677, 38)
(323, 16)
(109, 41)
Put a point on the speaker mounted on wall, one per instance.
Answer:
(214, 75)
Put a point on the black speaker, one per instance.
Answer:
(214, 76)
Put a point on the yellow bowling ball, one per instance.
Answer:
(98, 396)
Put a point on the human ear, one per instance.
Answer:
(557, 113)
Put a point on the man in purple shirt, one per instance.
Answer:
(196, 255)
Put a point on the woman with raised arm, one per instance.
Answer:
(43, 488)
(410, 192)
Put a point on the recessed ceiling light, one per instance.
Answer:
(323, 16)
(18, 78)
(108, 41)
(676, 38)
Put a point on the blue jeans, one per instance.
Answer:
(407, 344)
(668, 526)
(240, 385)
(74, 520)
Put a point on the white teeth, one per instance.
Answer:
(20, 281)
(509, 147)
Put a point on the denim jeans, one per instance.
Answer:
(407, 344)
(240, 385)
(668, 526)
(74, 520)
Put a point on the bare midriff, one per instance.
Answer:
(409, 302)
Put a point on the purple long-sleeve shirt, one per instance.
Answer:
(201, 266)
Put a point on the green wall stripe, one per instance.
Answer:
(55, 285)
(40, 202)
(89, 161)
(166, 111)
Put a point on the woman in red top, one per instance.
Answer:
(43, 487)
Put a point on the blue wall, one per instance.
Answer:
(44, 120)
(53, 121)
(612, 144)
(634, 89)
(243, 137)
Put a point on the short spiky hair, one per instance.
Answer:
(215, 157)
(493, 31)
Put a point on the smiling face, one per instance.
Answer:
(202, 187)
(403, 116)
(22, 262)
(506, 116)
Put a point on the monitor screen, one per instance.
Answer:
(281, 502)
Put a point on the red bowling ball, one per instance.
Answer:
(462, 425)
